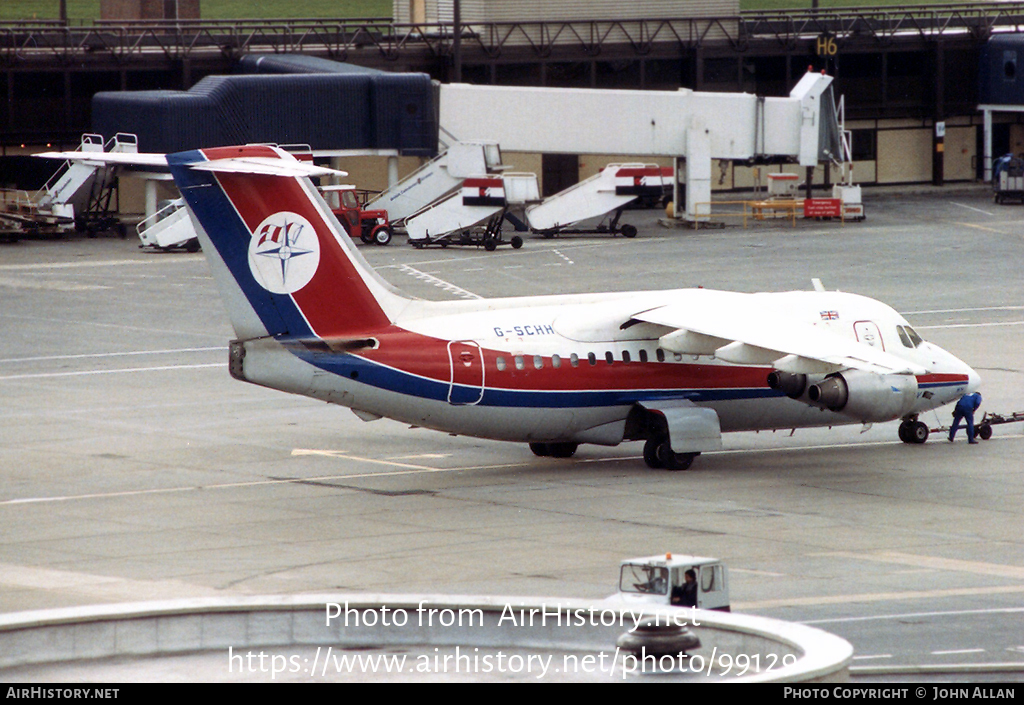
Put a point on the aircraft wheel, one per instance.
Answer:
(904, 431)
(562, 450)
(651, 454)
(628, 230)
(984, 431)
(382, 236)
(918, 432)
(675, 461)
(490, 244)
(516, 242)
(542, 450)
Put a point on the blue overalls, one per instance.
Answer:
(964, 411)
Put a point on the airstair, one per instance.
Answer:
(607, 192)
(168, 228)
(78, 195)
(438, 178)
(473, 215)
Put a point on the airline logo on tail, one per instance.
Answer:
(284, 252)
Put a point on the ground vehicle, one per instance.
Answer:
(1008, 179)
(659, 579)
(370, 226)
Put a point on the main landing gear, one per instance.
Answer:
(554, 450)
(913, 431)
(658, 454)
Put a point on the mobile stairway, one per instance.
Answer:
(437, 178)
(82, 191)
(169, 228)
(606, 193)
(473, 215)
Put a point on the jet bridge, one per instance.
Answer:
(691, 126)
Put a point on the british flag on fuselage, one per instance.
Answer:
(675, 368)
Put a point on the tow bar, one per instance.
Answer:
(984, 427)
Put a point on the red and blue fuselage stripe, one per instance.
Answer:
(602, 385)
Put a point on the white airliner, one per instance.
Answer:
(673, 368)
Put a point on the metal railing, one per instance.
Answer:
(126, 41)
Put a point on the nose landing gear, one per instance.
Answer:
(913, 431)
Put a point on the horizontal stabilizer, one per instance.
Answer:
(136, 159)
(269, 166)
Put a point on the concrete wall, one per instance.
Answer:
(804, 654)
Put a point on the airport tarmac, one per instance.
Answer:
(133, 467)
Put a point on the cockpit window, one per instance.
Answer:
(909, 336)
(904, 337)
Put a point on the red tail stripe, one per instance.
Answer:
(336, 302)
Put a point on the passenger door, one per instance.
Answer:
(466, 363)
(867, 332)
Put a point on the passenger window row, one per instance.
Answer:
(520, 362)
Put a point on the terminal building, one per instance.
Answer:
(924, 88)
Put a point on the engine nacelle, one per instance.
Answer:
(865, 396)
(791, 384)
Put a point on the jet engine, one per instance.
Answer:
(791, 384)
(865, 396)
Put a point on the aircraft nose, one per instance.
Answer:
(973, 379)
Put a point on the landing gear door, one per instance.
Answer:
(466, 363)
(691, 428)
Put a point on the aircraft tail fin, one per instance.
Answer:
(284, 265)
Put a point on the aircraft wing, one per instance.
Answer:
(756, 337)
(242, 165)
(137, 159)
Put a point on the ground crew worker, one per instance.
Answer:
(964, 411)
(685, 595)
